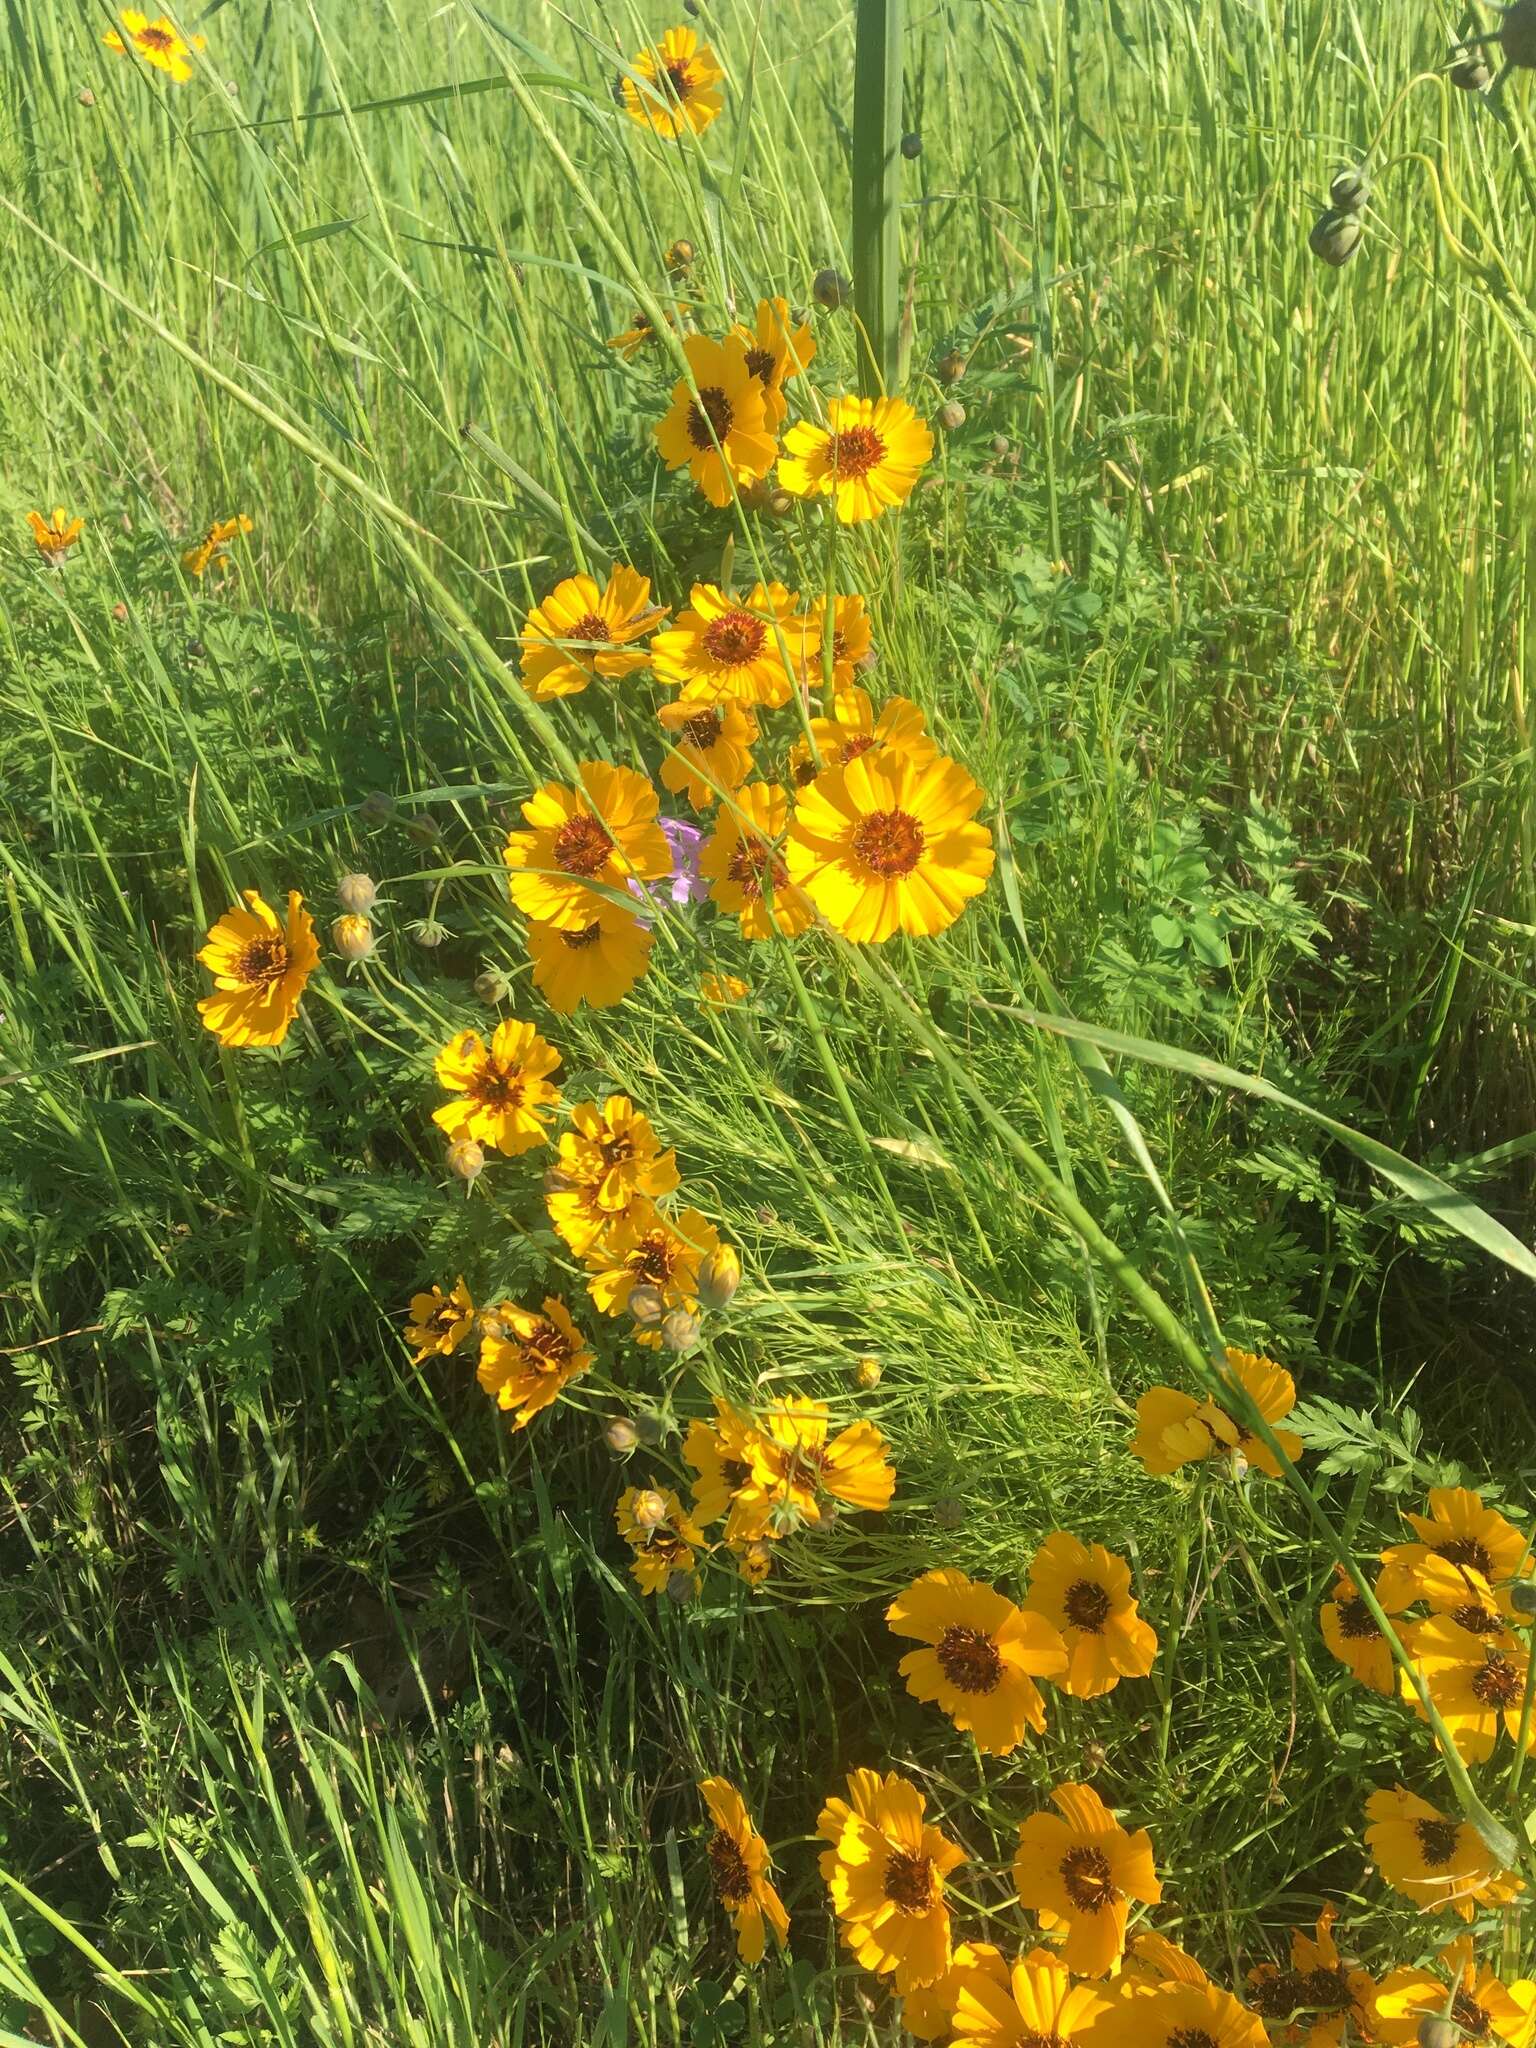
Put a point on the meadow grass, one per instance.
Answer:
(331, 1713)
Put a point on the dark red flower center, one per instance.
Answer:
(587, 935)
(969, 1659)
(1191, 2037)
(890, 842)
(1086, 1874)
(728, 1866)
(675, 79)
(493, 1087)
(855, 452)
(762, 362)
(909, 1881)
(546, 1348)
(709, 417)
(1470, 2017)
(1498, 1684)
(1466, 1550)
(154, 37)
(1087, 1606)
(262, 961)
(653, 1259)
(703, 731)
(581, 845)
(1438, 1841)
(1356, 1622)
(734, 639)
(591, 626)
(752, 861)
(1477, 1620)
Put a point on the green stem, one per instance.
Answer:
(877, 191)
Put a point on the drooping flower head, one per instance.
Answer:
(158, 42)
(55, 537)
(679, 92)
(713, 749)
(982, 1659)
(580, 633)
(259, 968)
(596, 963)
(1084, 1592)
(440, 1322)
(747, 874)
(1328, 2002)
(739, 1864)
(1436, 1862)
(1273, 1392)
(866, 458)
(1079, 1869)
(889, 844)
(502, 1094)
(777, 350)
(662, 1536)
(727, 650)
(212, 551)
(532, 1359)
(718, 426)
(855, 728)
(581, 841)
(720, 1453)
(885, 1869)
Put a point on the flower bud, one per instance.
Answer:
(948, 1512)
(869, 660)
(119, 611)
(1000, 445)
(1349, 191)
(679, 257)
(376, 808)
(719, 1277)
(357, 893)
(951, 367)
(558, 1182)
(1518, 35)
(646, 1306)
(86, 97)
(867, 1373)
(1095, 1757)
(423, 828)
(649, 1508)
(648, 1428)
(780, 504)
(830, 289)
(1472, 73)
(828, 1512)
(1522, 1596)
(911, 146)
(429, 933)
(1335, 237)
(1439, 2033)
(681, 1588)
(491, 987)
(353, 938)
(621, 1436)
(951, 416)
(756, 1561)
(493, 1324)
(465, 1158)
(680, 1332)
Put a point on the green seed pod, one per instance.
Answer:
(1522, 1596)
(1439, 2033)
(949, 1513)
(680, 1332)
(911, 146)
(1000, 445)
(1518, 35)
(1472, 74)
(1335, 238)
(377, 807)
(951, 417)
(430, 933)
(1349, 191)
(424, 829)
(621, 1436)
(830, 289)
(491, 987)
(681, 1588)
(951, 367)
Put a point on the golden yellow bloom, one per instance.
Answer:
(614, 1151)
(502, 1095)
(1169, 1431)
(747, 876)
(645, 1248)
(722, 650)
(440, 1322)
(1079, 1869)
(56, 536)
(661, 1547)
(259, 969)
(1179, 2015)
(721, 991)
(855, 728)
(580, 842)
(596, 963)
(851, 641)
(1476, 1681)
(1152, 1959)
(885, 1869)
(982, 1658)
(1460, 1530)
(928, 2012)
(1174, 1429)
(534, 1360)
(1084, 1592)
(794, 1467)
(1480, 2006)
(776, 351)
(720, 1454)
(639, 334)
(580, 632)
(754, 1558)
(867, 458)
(713, 744)
(739, 1864)
(578, 1217)
(722, 435)
(1326, 1994)
(888, 844)
(1036, 2003)
(680, 94)
(1350, 1631)
(158, 42)
(1433, 1861)
(212, 550)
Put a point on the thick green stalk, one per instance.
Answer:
(877, 192)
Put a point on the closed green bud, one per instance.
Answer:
(1439, 2033)
(951, 367)
(830, 289)
(429, 933)
(377, 807)
(719, 1277)
(491, 987)
(680, 1332)
(911, 146)
(621, 1436)
(1522, 1596)
(465, 1158)
(951, 416)
(646, 1306)
(1349, 191)
(949, 1513)
(1335, 238)
(1472, 73)
(357, 893)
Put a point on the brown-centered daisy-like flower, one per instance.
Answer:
(1036, 2006)
(777, 350)
(728, 650)
(596, 963)
(646, 1249)
(613, 1149)
(855, 728)
(722, 991)
(720, 1453)
(212, 551)
(1476, 1682)
(982, 1657)
(1084, 1592)
(1079, 1869)
(502, 1095)
(440, 1322)
(534, 1358)
(889, 843)
(712, 749)
(885, 1869)
(717, 427)
(580, 633)
(1327, 2001)
(259, 967)
(1459, 1530)
(739, 1864)
(851, 639)
(1436, 1862)
(1179, 2015)
(1170, 1431)
(1479, 2005)
(1273, 1392)
(581, 841)
(797, 1467)
(55, 537)
(657, 1528)
(640, 333)
(159, 42)
(1352, 1635)
(747, 874)
(678, 88)
(866, 458)
(928, 2012)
